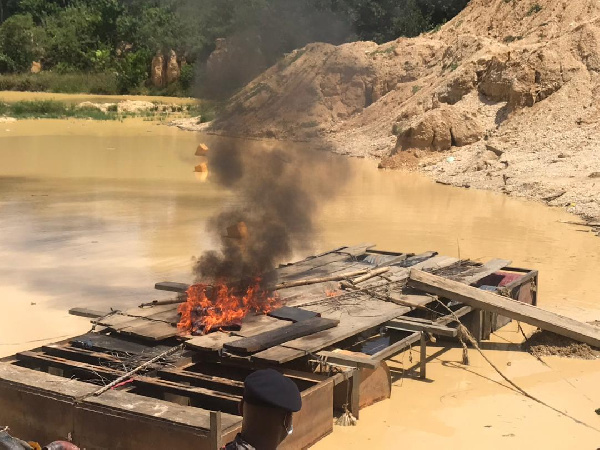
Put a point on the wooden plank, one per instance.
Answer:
(423, 359)
(514, 309)
(268, 339)
(89, 313)
(172, 287)
(212, 342)
(440, 330)
(350, 359)
(397, 347)
(219, 384)
(293, 314)
(259, 323)
(152, 331)
(478, 273)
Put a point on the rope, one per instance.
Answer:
(465, 332)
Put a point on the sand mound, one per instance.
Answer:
(545, 343)
(519, 79)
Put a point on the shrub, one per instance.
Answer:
(133, 70)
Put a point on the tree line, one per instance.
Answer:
(122, 36)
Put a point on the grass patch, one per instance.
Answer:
(70, 83)
(416, 89)
(535, 8)
(52, 109)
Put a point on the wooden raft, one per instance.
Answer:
(355, 311)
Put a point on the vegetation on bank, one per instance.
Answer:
(52, 109)
(107, 46)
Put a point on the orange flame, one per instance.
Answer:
(202, 313)
(331, 293)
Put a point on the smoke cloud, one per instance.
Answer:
(278, 196)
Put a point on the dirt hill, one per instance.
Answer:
(504, 96)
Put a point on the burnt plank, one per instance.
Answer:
(293, 314)
(171, 286)
(272, 338)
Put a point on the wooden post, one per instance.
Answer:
(423, 362)
(216, 431)
(355, 400)
(477, 325)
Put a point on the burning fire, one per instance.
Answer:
(213, 307)
(331, 293)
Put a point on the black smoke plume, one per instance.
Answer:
(278, 193)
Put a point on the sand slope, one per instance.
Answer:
(509, 87)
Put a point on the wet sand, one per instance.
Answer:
(94, 213)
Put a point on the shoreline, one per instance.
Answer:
(451, 168)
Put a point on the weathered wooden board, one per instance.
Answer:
(89, 313)
(267, 339)
(514, 309)
(355, 315)
(154, 331)
(212, 342)
(259, 323)
(478, 273)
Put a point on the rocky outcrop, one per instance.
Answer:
(36, 67)
(157, 72)
(440, 129)
(173, 71)
(165, 70)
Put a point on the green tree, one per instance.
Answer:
(72, 38)
(19, 39)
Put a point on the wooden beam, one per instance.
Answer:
(440, 330)
(423, 360)
(513, 309)
(268, 339)
(206, 381)
(216, 431)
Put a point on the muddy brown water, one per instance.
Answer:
(94, 213)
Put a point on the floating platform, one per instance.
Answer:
(189, 400)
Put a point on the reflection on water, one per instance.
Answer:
(95, 213)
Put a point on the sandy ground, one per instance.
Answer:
(58, 170)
